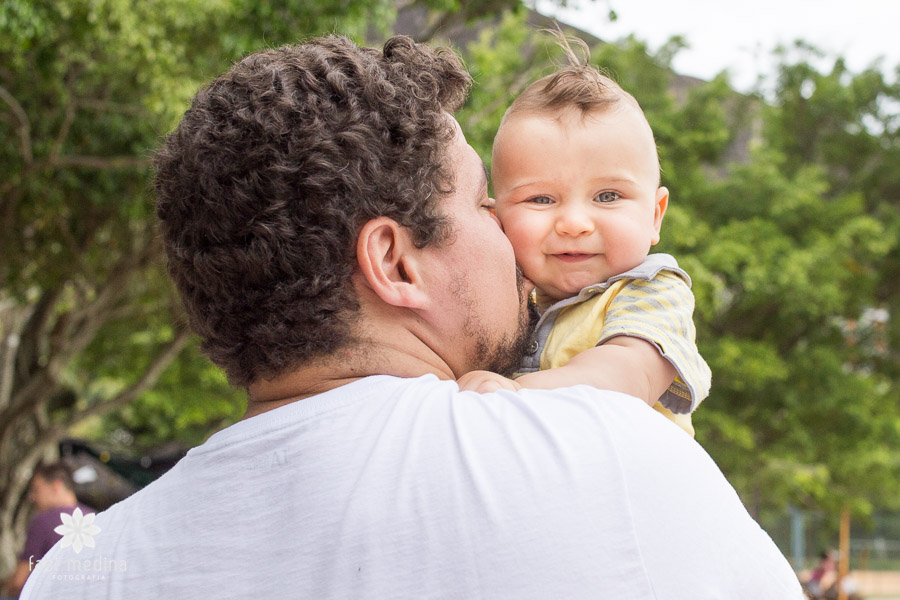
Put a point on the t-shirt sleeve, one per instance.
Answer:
(40, 536)
(696, 538)
(660, 311)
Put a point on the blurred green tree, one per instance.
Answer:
(793, 243)
(807, 250)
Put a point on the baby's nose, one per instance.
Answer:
(574, 221)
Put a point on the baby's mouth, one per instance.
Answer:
(574, 256)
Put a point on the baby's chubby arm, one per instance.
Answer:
(622, 364)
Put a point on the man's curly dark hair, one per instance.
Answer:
(264, 185)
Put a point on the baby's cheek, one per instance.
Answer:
(530, 263)
(520, 246)
(520, 233)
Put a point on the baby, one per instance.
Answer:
(576, 178)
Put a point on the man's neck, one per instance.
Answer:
(345, 366)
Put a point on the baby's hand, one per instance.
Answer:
(484, 382)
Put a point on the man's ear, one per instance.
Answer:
(387, 259)
(661, 203)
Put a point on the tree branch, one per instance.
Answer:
(6, 369)
(82, 327)
(43, 382)
(76, 249)
(84, 324)
(63, 131)
(5, 202)
(34, 329)
(52, 434)
(18, 477)
(14, 319)
(24, 128)
(146, 381)
(149, 378)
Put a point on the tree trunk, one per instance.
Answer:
(29, 380)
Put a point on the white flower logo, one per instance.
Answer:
(78, 530)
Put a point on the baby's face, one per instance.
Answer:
(578, 197)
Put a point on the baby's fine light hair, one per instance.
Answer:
(577, 84)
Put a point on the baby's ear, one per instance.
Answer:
(661, 203)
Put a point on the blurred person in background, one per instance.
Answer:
(52, 492)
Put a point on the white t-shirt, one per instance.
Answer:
(408, 488)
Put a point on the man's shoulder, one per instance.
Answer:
(605, 423)
(593, 408)
(382, 463)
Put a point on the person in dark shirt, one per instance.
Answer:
(52, 492)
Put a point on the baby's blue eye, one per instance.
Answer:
(541, 200)
(606, 197)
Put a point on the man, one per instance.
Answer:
(331, 235)
(52, 492)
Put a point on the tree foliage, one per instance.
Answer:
(792, 262)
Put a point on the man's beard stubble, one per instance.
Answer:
(504, 355)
